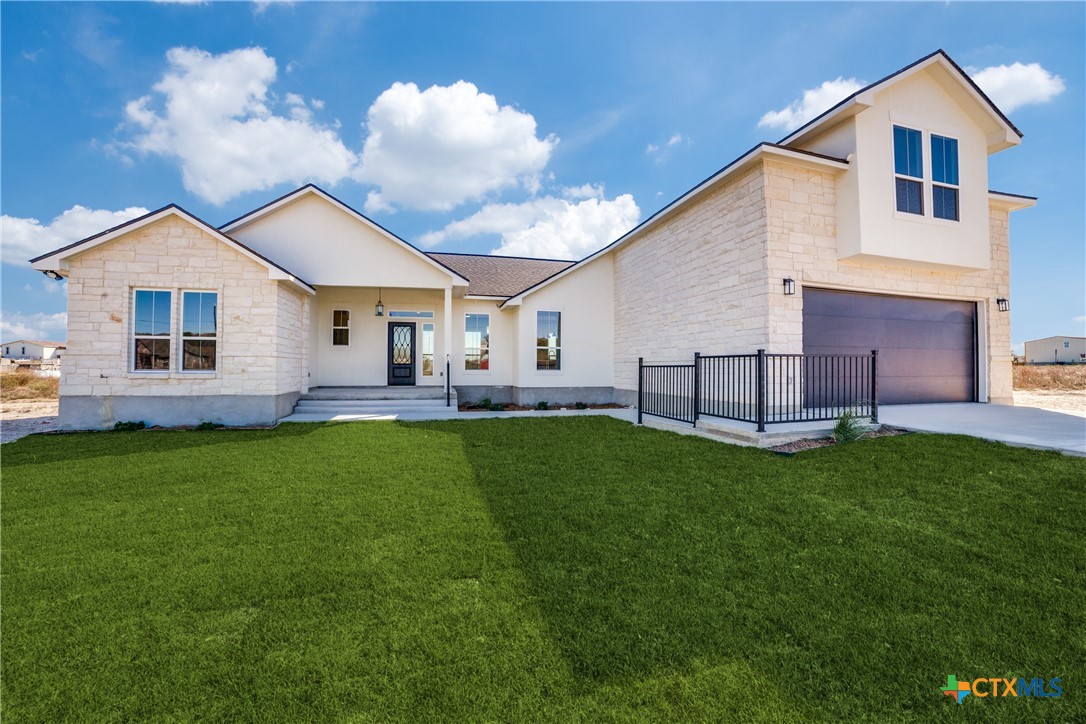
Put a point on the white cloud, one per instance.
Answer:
(1018, 84)
(547, 227)
(651, 148)
(677, 138)
(39, 325)
(661, 152)
(260, 6)
(216, 120)
(584, 191)
(435, 149)
(26, 238)
(813, 102)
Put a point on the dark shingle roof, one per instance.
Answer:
(500, 276)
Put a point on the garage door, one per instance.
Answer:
(927, 347)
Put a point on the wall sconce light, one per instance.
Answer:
(379, 310)
(53, 275)
(1003, 305)
(789, 286)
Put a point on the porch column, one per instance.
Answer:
(448, 336)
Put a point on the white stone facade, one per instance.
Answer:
(262, 323)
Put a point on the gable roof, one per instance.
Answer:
(313, 189)
(500, 276)
(54, 260)
(864, 98)
(39, 342)
(761, 151)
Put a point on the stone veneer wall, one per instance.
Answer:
(263, 349)
(695, 283)
(802, 244)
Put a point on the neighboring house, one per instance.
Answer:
(32, 349)
(1056, 350)
(878, 212)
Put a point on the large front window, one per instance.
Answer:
(908, 170)
(548, 340)
(199, 330)
(151, 330)
(477, 342)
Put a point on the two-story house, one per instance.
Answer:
(871, 227)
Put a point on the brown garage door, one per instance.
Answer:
(927, 347)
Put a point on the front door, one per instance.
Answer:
(401, 353)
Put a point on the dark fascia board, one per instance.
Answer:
(940, 52)
(679, 198)
(353, 210)
(1017, 196)
(190, 215)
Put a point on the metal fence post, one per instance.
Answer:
(874, 385)
(697, 386)
(448, 382)
(640, 386)
(761, 390)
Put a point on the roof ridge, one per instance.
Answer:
(501, 256)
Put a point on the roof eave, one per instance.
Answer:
(764, 150)
(1010, 202)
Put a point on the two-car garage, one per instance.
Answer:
(927, 347)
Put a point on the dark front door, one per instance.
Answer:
(927, 348)
(401, 353)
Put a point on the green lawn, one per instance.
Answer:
(533, 569)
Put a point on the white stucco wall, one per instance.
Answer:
(364, 362)
(869, 226)
(327, 246)
(585, 299)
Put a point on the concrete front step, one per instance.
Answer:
(406, 392)
(363, 407)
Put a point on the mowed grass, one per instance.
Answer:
(534, 569)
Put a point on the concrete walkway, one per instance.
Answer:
(1025, 426)
(445, 413)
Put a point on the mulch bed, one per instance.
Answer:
(467, 407)
(796, 446)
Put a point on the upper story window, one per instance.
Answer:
(151, 330)
(477, 342)
(548, 340)
(944, 177)
(199, 331)
(909, 170)
(341, 327)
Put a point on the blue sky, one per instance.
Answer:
(536, 129)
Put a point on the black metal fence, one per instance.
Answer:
(760, 388)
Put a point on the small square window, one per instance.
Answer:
(341, 327)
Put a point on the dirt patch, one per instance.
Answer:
(1069, 402)
(1049, 377)
(809, 443)
(19, 418)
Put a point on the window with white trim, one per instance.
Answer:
(548, 340)
(909, 170)
(944, 177)
(151, 330)
(199, 331)
(428, 349)
(341, 327)
(477, 342)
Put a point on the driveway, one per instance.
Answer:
(1026, 426)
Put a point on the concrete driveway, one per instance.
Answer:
(1027, 426)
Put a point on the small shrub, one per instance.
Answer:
(484, 403)
(542, 405)
(496, 407)
(848, 428)
(208, 425)
(581, 405)
(130, 426)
